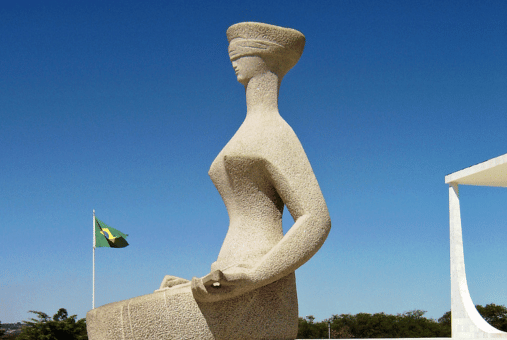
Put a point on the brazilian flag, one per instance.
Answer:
(105, 236)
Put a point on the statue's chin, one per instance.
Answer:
(242, 80)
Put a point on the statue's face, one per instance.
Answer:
(248, 67)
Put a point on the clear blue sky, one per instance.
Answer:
(122, 106)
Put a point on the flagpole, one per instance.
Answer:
(94, 243)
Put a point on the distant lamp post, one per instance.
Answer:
(329, 329)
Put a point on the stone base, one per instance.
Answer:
(269, 312)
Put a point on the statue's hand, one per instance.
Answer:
(218, 285)
(171, 281)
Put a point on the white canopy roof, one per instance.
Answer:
(491, 173)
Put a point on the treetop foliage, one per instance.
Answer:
(411, 324)
(495, 315)
(60, 327)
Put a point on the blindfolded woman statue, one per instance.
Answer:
(250, 292)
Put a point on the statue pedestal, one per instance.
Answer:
(269, 312)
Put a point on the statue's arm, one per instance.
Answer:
(297, 186)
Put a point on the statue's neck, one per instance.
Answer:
(262, 95)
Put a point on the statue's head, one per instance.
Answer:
(256, 47)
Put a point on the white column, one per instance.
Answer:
(466, 320)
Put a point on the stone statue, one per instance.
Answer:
(250, 292)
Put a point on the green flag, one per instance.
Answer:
(105, 236)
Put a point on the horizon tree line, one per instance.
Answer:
(411, 324)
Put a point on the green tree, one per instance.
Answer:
(413, 324)
(445, 320)
(2, 331)
(495, 315)
(60, 327)
(410, 324)
(308, 329)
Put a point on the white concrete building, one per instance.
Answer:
(467, 323)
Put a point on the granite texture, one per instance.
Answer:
(250, 292)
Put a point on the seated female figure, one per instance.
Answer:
(250, 292)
